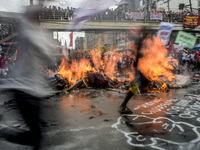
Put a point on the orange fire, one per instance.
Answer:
(155, 63)
(75, 70)
(106, 64)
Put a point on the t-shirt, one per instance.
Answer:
(184, 56)
(187, 57)
(192, 56)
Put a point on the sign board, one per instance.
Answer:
(140, 15)
(134, 15)
(165, 31)
(191, 22)
(186, 39)
(156, 16)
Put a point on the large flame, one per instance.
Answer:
(74, 70)
(155, 63)
(102, 63)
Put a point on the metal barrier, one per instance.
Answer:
(5, 31)
(107, 15)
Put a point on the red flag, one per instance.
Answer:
(71, 39)
(171, 46)
(102, 38)
(65, 51)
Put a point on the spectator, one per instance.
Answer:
(3, 65)
(197, 57)
(111, 14)
(70, 13)
(62, 14)
(184, 58)
(67, 13)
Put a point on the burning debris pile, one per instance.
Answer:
(103, 73)
(155, 64)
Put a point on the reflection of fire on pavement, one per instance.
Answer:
(146, 131)
(161, 123)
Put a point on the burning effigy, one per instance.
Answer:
(102, 73)
(155, 64)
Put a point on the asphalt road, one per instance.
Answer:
(88, 119)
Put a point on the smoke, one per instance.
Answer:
(183, 80)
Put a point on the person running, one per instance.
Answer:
(140, 83)
(28, 83)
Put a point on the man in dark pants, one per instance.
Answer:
(29, 83)
(140, 83)
(29, 107)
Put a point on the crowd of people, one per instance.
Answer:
(58, 13)
(191, 58)
(30, 86)
(7, 63)
(185, 56)
(5, 30)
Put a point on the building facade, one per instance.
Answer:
(172, 5)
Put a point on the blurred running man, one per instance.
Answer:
(29, 83)
(140, 83)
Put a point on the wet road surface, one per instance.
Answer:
(88, 119)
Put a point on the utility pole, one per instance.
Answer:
(156, 5)
(145, 11)
(31, 2)
(190, 5)
(168, 5)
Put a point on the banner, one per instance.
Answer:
(140, 15)
(14, 57)
(71, 39)
(156, 16)
(165, 31)
(134, 15)
(186, 39)
(191, 22)
(89, 9)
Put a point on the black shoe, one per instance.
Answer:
(125, 110)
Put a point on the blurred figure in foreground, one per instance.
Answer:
(29, 83)
(140, 83)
